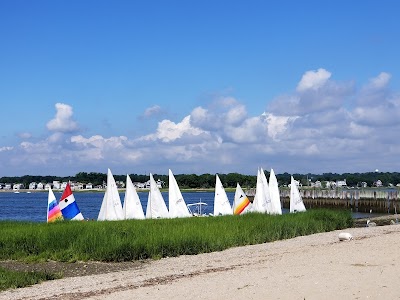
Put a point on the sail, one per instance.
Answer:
(221, 202)
(241, 203)
(132, 206)
(111, 208)
(53, 210)
(68, 206)
(260, 198)
(296, 202)
(177, 205)
(267, 194)
(156, 207)
(276, 207)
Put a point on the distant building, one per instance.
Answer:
(40, 186)
(32, 186)
(89, 186)
(378, 183)
(341, 183)
(47, 186)
(56, 185)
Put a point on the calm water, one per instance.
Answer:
(33, 206)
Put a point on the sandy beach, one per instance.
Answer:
(309, 267)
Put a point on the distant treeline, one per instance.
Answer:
(208, 180)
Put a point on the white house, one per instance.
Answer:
(56, 185)
(89, 186)
(32, 186)
(40, 186)
(47, 186)
(341, 183)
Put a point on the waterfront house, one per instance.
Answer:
(32, 186)
(56, 185)
(40, 186)
(89, 186)
(47, 186)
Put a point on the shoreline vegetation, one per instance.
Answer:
(141, 240)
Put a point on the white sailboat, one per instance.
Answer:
(221, 202)
(132, 206)
(241, 203)
(111, 208)
(177, 205)
(156, 207)
(276, 207)
(296, 202)
(262, 198)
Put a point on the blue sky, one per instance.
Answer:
(199, 86)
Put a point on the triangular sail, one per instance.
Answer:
(221, 202)
(53, 210)
(260, 203)
(241, 203)
(296, 202)
(156, 207)
(111, 208)
(177, 205)
(267, 195)
(276, 207)
(132, 206)
(68, 206)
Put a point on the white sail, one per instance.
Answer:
(267, 194)
(111, 208)
(261, 198)
(241, 203)
(177, 205)
(221, 202)
(132, 206)
(276, 207)
(156, 207)
(296, 202)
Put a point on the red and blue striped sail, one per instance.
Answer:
(68, 206)
(53, 210)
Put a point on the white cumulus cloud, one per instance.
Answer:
(313, 80)
(63, 121)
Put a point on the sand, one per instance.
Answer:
(318, 266)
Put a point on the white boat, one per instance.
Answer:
(221, 202)
(296, 202)
(156, 207)
(276, 207)
(111, 208)
(241, 203)
(262, 200)
(177, 205)
(196, 209)
(132, 207)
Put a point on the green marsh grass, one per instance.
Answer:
(17, 279)
(152, 239)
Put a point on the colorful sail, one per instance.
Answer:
(53, 210)
(68, 206)
(241, 204)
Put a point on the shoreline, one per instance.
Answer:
(312, 266)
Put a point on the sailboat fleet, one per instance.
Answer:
(266, 200)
